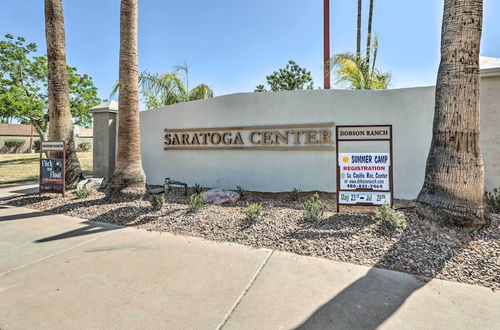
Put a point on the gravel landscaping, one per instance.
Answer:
(425, 249)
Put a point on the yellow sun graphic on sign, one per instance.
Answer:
(345, 159)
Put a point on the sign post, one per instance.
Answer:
(53, 170)
(364, 178)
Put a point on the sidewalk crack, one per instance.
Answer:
(242, 295)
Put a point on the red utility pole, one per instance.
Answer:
(326, 43)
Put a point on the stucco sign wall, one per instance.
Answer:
(242, 139)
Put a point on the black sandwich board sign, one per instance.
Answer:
(53, 170)
(364, 178)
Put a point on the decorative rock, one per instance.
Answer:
(92, 183)
(80, 184)
(219, 196)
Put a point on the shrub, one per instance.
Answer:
(198, 188)
(493, 200)
(84, 146)
(253, 211)
(83, 192)
(313, 208)
(390, 218)
(196, 201)
(36, 145)
(157, 202)
(14, 145)
(294, 194)
(242, 192)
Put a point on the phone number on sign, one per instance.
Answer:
(364, 186)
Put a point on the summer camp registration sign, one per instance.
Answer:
(364, 178)
(361, 172)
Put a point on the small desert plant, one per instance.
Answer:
(493, 200)
(157, 202)
(14, 145)
(390, 218)
(253, 211)
(294, 194)
(196, 201)
(242, 192)
(84, 146)
(83, 192)
(198, 188)
(313, 208)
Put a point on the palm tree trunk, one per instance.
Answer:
(128, 179)
(60, 123)
(454, 180)
(358, 32)
(369, 35)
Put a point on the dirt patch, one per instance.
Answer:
(425, 249)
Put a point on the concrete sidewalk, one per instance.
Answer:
(11, 191)
(58, 272)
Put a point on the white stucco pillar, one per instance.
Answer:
(105, 138)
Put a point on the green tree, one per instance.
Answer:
(291, 77)
(160, 89)
(357, 72)
(23, 87)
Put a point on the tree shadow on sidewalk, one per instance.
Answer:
(366, 303)
(127, 215)
(22, 216)
(90, 228)
(371, 300)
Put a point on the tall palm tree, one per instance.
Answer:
(358, 32)
(369, 35)
(128, 178)
(454, 177)
(356, 72)
(60, 123)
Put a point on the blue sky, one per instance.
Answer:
(233, 44)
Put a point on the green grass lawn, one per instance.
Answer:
(23, 168)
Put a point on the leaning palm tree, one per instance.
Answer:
(356, 72)
(128, 178)
(454, 177)
(60, 123)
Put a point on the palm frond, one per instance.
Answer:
(159, 89)
(168, 87)
(350, 70)
(201, 92)
(114, 91)
(356, 72)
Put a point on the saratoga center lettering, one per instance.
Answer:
(281, 137)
